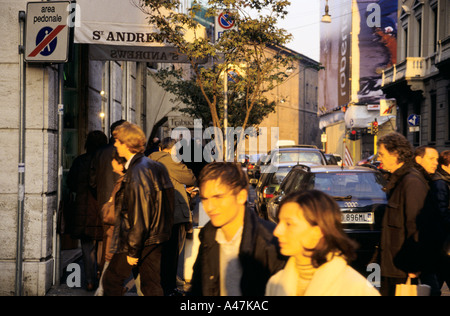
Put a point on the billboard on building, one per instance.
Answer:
(376, 47)
(358, 44)
(335, 52)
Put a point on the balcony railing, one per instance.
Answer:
(412, 67)
(409, 69)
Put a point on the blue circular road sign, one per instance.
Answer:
(225, 21)
(414, 120)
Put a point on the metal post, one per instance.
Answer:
(225, 111)
(21, 166)
(57, 275)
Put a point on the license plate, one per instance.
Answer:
(357, 218)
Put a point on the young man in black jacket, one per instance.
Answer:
(238, 252)
(146, 216)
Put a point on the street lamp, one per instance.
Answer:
(326, 18)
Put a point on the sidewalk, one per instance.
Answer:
(74, 256)
(70, 256)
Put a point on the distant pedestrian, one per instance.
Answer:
(146, 217)
(440, 194)
(407, 190)
(88, 226)
(152, 146)
(102, 179)
(238, 252)
(428, 223)
(311, 234)
(427, 158)
(181, 178)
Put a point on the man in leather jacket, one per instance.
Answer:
(146, 216)
(238, 252)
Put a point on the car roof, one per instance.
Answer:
(334, 168)
(296, 148)
(274, 166)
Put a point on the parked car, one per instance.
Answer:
(297, 154)
(267, 185)
(331, 159)
(358, 192)
(334, 159)
(338, 158)
(252, 170)
(371, 161)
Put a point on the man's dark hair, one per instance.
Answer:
(114, 126)
(167, 143)
(421, 150)
(444, 158)
(95, 140)
(397, 143)
(229, 174)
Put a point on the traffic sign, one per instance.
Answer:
(223, 23)
(47, 32)
(414, 120)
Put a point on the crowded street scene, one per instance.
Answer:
(205, 151)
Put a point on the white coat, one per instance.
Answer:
(334, 278)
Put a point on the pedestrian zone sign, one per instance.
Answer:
(47, 32)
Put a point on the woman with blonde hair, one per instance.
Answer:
(311, 234)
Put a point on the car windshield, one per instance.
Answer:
(348, 185)
(298, 157)
(279, 176)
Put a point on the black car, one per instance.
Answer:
(268, 184)
(357, 190)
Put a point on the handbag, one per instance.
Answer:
(409, 289)
(108, 209)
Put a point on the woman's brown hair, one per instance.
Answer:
(320, 209)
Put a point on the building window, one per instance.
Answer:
(418, 111)
(433, 118)
(448, 114)
(405, 42)
(418, 49)
(418, 13)
(434, 24)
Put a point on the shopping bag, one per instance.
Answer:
(409, 289)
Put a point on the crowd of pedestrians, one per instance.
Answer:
(142, 206)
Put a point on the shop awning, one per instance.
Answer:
(358, 116)
(120, 31)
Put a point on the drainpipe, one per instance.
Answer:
(21, 165)
(57, 252)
